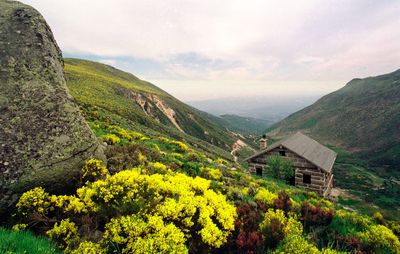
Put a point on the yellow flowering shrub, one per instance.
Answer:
(137, 135)
(153, 209)
(121, 132)
(126, 134)
(176, 155)
(151, 235)
(75, 205)
(378, 217)
(19, 227)
(67, 204)
(360, 222)
(380, 239)
(93, 169)
(245, 191)
(213, 173)
(173, 197)
(35, 200)
(289, 225)
(222, 161)
(142, 159)
(88, 247)
(156, 148)
(182, 147)
(158, 167)
(39, 201)
(66, 234)
(320, 202)
(159, 213)
(276, 227)
(331, 251)
(266, 196)
(296, 243)
(110, 139)
(164, 140)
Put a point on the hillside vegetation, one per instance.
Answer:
(161, 195)
(363, 117)
(157, 195)
(121, 98)
(361, 122)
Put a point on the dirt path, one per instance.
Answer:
(236, 147)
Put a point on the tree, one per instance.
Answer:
(280, 168)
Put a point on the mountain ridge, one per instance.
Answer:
(363, 117)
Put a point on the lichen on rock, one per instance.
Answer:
(43, 137)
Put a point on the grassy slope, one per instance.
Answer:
(238, 187)
(103, 91)
(366, 191)
(363, 117)
(359, 121)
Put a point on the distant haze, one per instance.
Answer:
(272, 109)
(209, 49)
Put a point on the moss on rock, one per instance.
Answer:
(43, 137)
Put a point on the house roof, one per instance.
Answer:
(306, 147)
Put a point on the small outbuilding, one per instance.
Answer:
(312, 162)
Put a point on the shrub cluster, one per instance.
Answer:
(157, 195)
(132, 211)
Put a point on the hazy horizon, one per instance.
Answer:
(198, 50)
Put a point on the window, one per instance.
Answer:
(282, 153)
(259, 171)
(306, 178)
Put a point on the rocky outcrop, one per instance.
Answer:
(148, 103)
(43, 137)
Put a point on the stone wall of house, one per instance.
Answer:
(319, 179)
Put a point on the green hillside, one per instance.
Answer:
(108, 94)
(361, 122)
(157, 195)
(363, 117)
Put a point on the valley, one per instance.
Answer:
(361, 123)
(94, 159)
(118, 98)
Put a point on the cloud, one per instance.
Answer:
(309, 60)
(219, 41)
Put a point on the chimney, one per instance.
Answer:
(263, 142)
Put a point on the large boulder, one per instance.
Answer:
(44, 139)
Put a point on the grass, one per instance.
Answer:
(24, 242)
(107, 94)
(367, 190)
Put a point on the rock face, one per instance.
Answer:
(43, 137)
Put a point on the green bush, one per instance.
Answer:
(24, 242)
(280, 168)
(380, 239)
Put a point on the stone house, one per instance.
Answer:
(312, 161)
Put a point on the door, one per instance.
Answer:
(259, 171)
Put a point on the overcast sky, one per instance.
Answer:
(228, 48)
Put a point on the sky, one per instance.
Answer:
(207, 49)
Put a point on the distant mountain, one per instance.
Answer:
(363, 117)
(244, 125)
(270, 108)
(103, 91)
